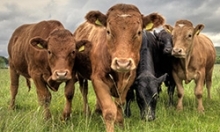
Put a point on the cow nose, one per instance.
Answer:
(123, 64)
(61, 74)
(167, 50)
(177, 51)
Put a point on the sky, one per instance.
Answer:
(71, 13)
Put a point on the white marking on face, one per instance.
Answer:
(124, 15)
(180, 25)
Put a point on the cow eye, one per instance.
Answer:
(49, 52)
(139, 33)
(189, 35)
(108, 32)
(73, 52)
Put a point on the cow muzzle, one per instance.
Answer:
(148, 114)
(123, 65)
(178, 53)
(61, 75)
(167, 51)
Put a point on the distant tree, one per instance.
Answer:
(3, 62)
(217, 61)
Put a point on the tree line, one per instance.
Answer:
(4, 61)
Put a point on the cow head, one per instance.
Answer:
(61, 51)
(183, 34)
(124, 24)
(165, 42)
(147, 94)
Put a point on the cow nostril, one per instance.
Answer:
(177, 50)
(167, 50)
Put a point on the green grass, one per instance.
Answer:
(27, 117)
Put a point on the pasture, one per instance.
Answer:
(27, 117)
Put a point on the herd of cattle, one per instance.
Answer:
(121, 56)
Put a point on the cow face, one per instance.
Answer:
(147, 94)
(183, 34)
(61, 52)
(165, 42)
(123, 24)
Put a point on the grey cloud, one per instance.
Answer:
(71, 13)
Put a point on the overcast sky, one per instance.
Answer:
(70, 13)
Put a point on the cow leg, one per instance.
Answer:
(83, 85)
(120, 119)
(44, 96)
(13, 87)
(180, 91)
(208, 81)
(199, 90)
(109, 109)
(97, 107)
(171, 89)
(69, 93)
(129, 99)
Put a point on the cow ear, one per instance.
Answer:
(96, 18)
(38, 43)
(168, 28)
(152, 20)
(162, 78)
(198, 29)
(80, 45)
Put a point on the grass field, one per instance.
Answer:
(27, 117)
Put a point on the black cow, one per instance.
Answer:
(146, 84)
(151, 73)
(163, 60)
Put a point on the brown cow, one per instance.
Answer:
(116, 39)
(44, 52)
(195, 57)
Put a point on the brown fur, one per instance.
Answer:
(114, 55)
(195, 57)
(47, 65)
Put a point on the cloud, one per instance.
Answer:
(71, 13)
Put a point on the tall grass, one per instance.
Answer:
(28, 117)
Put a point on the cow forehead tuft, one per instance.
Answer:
(124, 15)
(181, 25)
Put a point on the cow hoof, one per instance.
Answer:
(65, 117)
(201, 110)
(179, 108)
(11, 107)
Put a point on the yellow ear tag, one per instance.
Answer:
(149, 26)
(197, 32)
(82, 48)
(97, 22)
(168, 30)
(40, 46)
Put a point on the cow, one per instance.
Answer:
(44, 52)
(116, 40)
(163, 60)
(151, 72)
(194, 59)
(83, 71)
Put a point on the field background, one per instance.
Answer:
(27, 117)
